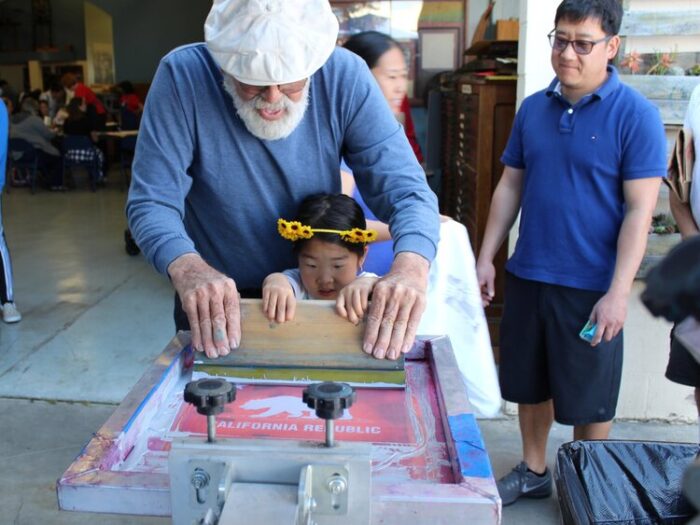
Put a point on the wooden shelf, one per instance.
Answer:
(661, 23)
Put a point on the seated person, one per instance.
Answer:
(44, 112)
(385, 59)
(78, 122)
(95, 107)
(55, 96)
(330, 241)
(28, 125)
(60, 118)
(129, 100)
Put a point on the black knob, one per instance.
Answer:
(210, 395)
(329, 399)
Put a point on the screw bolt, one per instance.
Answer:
(337, 484)
(200, 480)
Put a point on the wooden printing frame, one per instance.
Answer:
(89, 485)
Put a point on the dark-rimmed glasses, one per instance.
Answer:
(286, 89)
(580, 47)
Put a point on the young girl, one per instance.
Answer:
(330, 241)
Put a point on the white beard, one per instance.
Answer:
(268, 129)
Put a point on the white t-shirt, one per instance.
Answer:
(294, 277)
(692, 124)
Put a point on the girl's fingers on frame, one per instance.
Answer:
(281, 309)
(357, 306)
(274, 307)
(265, 299)
(291, 308)
(340, 306)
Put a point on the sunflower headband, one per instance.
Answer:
(294, 231)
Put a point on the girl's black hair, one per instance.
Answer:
(332, 212)
(370, 46)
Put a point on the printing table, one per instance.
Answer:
(428, 460)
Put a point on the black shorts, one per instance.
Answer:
(542, 356)
(682, 367)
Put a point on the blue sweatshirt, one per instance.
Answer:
(202, 183)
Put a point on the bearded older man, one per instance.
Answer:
(236, 132)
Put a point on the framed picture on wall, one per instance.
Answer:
(438, 51)
(439, 48)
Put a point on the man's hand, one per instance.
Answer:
(609, 314)
(279, 303)
(486, 276)
(398, 301)
(353, 299)
(211, 302)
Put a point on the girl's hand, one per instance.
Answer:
(279, 303)
(353, 299)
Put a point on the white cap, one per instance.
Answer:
(268, 42)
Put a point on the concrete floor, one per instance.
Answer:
(94, 319)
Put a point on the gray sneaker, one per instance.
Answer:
(521, 483)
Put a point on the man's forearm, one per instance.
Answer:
(184, 264)
(502, 214)
(413, 263)
(631, 245)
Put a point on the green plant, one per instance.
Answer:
(662, 224)
(663, 63)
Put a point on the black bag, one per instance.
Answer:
(623, 482)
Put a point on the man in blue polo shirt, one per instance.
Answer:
(583, 165)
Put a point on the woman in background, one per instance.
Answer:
(386, 61)
(453, 298)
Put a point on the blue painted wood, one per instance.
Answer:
(469, 445)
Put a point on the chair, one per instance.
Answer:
(79, 150)
(23, 157)
(127, 146)
(128, 120)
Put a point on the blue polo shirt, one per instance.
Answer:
(576, 158)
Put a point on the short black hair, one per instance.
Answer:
(370, 46)
(332, 212)
(609, 12)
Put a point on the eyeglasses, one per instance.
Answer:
(286, 89)
(580, 47)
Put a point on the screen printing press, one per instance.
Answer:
(273, 450)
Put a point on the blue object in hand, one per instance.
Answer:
(588, 331)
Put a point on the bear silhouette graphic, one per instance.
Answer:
(281, 405)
